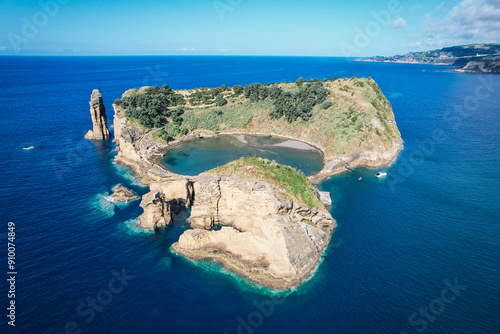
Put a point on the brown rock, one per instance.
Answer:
(99, 119)
(122, 194)
(277, 244)
(165, 199)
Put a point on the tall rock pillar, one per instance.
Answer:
(99, 119)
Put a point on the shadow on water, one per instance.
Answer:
(102, 147)
(162, 239)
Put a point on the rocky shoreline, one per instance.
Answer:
(264, 234)
(139, 151)
(249, 224)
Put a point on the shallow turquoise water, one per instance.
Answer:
(195, 157)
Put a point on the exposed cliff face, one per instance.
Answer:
(165, 199)
(369, 159)
(99, 120)
(276, 244)
(137, 149)
(483, 66)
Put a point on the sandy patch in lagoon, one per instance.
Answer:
(298, 145)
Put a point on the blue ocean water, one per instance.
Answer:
(401, 242)
(195, 157)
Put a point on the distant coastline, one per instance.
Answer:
(474, 58)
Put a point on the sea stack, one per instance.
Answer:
(99, 119)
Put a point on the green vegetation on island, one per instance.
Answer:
(337, 115)
(152, 106)
(292, 182)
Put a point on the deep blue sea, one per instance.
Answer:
(417, 252)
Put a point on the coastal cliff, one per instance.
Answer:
(244, 216)
(358, 128)
(482, 66)
(99, 119)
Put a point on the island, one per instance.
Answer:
(122, 194)
(100, 129)
(264, 221)
(473, 58)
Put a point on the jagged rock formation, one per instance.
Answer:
(264, 235)
(99, 120)
(122, 194)
(165, 199)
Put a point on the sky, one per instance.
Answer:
(243, 27)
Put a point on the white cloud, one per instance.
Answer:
(471, 21)
(399, 23)
(3, 48)
(188, 49)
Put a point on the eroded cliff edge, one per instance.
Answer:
(100, 129)
(358, 129)
(247, 217)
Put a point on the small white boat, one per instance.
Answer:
(382, 173)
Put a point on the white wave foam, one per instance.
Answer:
(126, 173)
(132, 227)
(101, 204)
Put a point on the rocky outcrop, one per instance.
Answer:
(481, 66)
(368, 159)
(165, 199)
(122, 194)
(99, 120)
(270, 242)
(325, 198)
(137, 150)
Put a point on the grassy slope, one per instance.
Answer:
(294, 184)
(360, 118)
